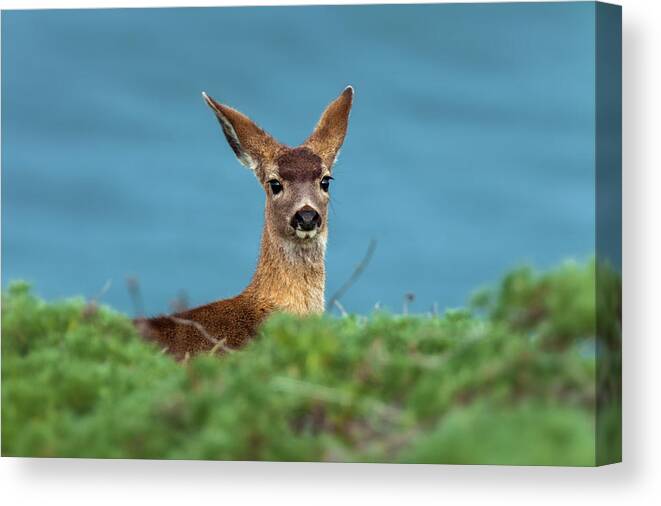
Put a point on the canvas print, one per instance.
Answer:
(379, 233)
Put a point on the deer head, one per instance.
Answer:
(296, 180)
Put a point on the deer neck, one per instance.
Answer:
(290, 276)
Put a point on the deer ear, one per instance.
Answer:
(251, 145)
(328, 135)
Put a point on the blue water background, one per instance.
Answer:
(470, 148)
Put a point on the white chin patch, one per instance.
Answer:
(306, 234)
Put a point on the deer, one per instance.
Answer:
(290, 273)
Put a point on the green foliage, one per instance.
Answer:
(511, 381)
(555, 307)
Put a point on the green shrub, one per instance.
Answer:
(510, 381)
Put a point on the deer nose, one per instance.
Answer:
(306, 219)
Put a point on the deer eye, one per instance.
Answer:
(325, 183)
(275, 185)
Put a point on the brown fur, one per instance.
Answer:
(299, 164)
(290, 273)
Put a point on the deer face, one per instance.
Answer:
(296, 180)
(297, 192)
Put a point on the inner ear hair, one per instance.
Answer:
(251, 145)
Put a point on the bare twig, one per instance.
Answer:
(93, 304)
(339, 306)
(133, 286)
(408, 298)
(355, 275)
(218, 343)
(103, 291)
(196, 325)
